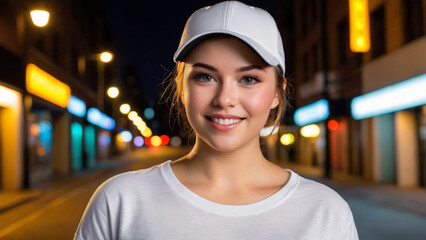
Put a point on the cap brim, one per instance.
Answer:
(192, 42)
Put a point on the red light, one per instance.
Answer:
(333, 125)
(164, 139)
(148, 141)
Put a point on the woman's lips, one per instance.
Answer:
(224, 122)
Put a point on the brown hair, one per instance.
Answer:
(174, 88)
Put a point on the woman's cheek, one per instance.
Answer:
(259, 102)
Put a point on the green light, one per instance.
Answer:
(77, 146)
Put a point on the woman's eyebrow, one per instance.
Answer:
(203, 65)
(250, 67)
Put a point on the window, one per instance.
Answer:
(413, 19)
(378, 42)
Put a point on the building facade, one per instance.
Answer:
(42, 68)
(386, 146)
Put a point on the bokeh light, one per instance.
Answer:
(106, 57)
(287, 139)
(126, 136)
(138, 141)
(113, 92)
(164, 139)
(175, 141)
(132, 115)
(155, 141)
(125, 108)
(312, 130)
(149, 113)
(333, 125)
(40, 18)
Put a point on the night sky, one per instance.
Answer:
(147, 33)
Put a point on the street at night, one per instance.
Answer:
(333, 90)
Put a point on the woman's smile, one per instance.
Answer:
(224, 122)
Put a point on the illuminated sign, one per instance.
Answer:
(312, 113)
(76, 107)
(44, 85)
(96, 117)
(8, 97)
(407, 94)
(312, 130)
(359, 26)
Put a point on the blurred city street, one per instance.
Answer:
(380, 211)
(84, 95)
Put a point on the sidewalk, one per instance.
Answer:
(57, 183)
(410, 200)
(12, 199)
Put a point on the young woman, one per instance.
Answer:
(229, 85)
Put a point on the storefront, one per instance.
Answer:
(11, 143)
(393, 119)
(48, 125)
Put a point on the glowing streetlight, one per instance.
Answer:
(40, 18)
(287, 139)
(113, 92)
(125, 108)
(312, 131)
(132, 115)
(156, 141)
(106, 57)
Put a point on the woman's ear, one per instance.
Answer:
(277, 98)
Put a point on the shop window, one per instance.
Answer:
(40, 139)
(413, 19)
(378, 40)
(90, 145)
(77, 146)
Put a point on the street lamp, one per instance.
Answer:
(125, 108)
(113, 92)
(40, 18)
(106, 57)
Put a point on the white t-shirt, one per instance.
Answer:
(153, 204)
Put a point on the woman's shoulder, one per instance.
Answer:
(321, 194)
(128, 181)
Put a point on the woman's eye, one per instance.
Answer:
(249, 80)
(204, 78)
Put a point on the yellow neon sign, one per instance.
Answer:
(359, 26)
(8, 97)
(44, 85)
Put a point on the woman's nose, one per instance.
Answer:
(226, 95)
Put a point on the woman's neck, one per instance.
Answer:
(240, 166)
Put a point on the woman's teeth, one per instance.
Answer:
(222, 121)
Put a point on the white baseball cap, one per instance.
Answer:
(254, 26)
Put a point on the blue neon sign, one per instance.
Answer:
(406, 94)
(312, 113)
(76, 106)
(96, 117)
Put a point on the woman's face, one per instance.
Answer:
(228, 92)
